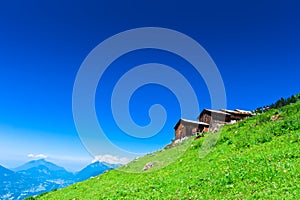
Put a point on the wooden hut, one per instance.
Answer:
(214, 118)
(187, 128)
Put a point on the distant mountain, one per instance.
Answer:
(33, 178)
(37, 163)
(44, 173)
(94, 169)
(39, 176)
(43, 169)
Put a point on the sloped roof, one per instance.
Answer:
(243, 111)
(228, 111)
(214, 111)
(196, 122)
(237, 112)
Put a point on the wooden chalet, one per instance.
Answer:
(214, 116)
(187, 128)
(209, 120)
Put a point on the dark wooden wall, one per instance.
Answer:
(187, 129)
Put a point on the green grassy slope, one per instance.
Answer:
(257, 158)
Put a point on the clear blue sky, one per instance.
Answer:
(255, 45)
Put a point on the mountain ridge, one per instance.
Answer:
(5, 171)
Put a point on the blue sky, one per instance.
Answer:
(255, 45)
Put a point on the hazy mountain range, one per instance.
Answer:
(39, 176)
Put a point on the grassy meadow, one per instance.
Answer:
(258, 158)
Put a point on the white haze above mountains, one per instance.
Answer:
(111, 159)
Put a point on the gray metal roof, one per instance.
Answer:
(189, 121)
(196, 122)
(216, 111)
